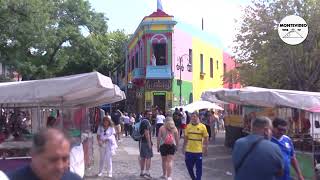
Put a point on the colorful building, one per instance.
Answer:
(231, 77)
(170, 63)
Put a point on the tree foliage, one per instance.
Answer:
(41, 38)
(267, 61)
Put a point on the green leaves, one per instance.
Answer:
(265, 59)
(41, 38)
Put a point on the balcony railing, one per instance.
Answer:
(138, 73)
(159, 72)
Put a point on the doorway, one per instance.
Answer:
(159, 99)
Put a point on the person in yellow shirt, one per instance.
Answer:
(195, 145)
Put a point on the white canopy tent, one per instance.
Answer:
(197, 105)
(88, 89)
(266, 97)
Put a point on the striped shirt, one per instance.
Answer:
(195, 135)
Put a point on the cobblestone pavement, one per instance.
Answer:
(216, 166)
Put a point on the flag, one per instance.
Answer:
(159, 5)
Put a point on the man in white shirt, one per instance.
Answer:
(159, 121)
(126, 121)
(183, 121)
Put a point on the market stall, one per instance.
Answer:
(27, 106)
(293, 106)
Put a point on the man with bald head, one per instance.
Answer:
(50, 158)
(255, 156)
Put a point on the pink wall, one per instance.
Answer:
(181, 43)
(230, 64)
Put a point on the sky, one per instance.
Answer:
(219, 15)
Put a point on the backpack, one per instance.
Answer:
(169, 139)
(136, 135)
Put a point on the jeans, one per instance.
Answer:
(192, 159)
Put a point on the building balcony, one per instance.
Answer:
(138, 73)
(159, 72)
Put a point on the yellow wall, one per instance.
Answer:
(208, 51)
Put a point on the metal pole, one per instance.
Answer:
(180, 59)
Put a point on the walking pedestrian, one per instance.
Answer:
(255, 156)
(50, 158)
(160, 119)
(167, 143)
(115, 116)
(132, 121)
(127, 124)
(177, 116)
(145, 146)
(183, 122)
(206, 121)
(285, 144)
(195, 145)
(108, 144)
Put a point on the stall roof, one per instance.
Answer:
(266, 97)
(198, 105)
(88, 89)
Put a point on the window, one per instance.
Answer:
(190, 56)
(137, 60)
(141, 57)
(224, 68)
(201, 64)
(211, 67)
(132, 63)
(160, 53)
(217, 64)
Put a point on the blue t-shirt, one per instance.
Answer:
(286, 146)
(263, 163)
(27, 173)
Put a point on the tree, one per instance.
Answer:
(41, 38)
(265, 60)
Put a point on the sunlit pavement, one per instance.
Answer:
(216, 166)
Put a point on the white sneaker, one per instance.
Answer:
(169, 178)
(109, 175)
(100, 174)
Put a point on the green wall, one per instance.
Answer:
(186, 90)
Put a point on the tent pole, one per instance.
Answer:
(62, 116)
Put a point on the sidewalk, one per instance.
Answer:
(126, 166)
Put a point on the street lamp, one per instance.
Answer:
(180, 68)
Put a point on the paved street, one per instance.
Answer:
(217, 165)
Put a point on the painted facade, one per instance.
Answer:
(158, 49)
(229, 64)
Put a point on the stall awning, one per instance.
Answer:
(266, 97)
(88, 89)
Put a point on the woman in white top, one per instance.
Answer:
(107, 142)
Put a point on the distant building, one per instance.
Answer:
(231, 79)
(153, 63)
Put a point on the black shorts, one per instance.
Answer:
(167, 149)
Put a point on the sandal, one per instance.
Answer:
(147, 176)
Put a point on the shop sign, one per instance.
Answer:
(159, 93)
(160, 84)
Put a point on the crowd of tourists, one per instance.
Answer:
(267, 153)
